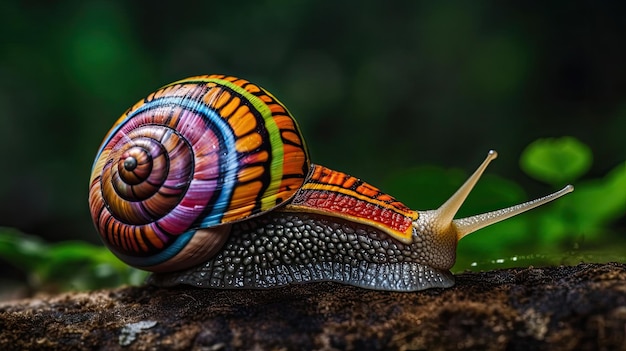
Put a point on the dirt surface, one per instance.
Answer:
(559, 308)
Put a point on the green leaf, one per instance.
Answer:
(65, 265)
(599, 201)
(24, 251)
(556, 160)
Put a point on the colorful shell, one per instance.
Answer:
(198, 153)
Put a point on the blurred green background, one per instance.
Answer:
(377, 87)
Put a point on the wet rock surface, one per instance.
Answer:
(580, 307)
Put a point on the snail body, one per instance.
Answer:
(208, 182)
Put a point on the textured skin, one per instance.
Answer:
(281, 248)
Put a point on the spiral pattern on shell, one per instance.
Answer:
(186, 161)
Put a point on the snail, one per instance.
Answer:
(207, 182)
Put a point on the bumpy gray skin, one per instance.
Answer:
(283, 248)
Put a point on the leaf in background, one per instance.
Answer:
(556, 160)
(599, 201)
(24, 251)
(65, 265)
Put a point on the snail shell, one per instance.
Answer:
(182, 164)
(209, 178)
